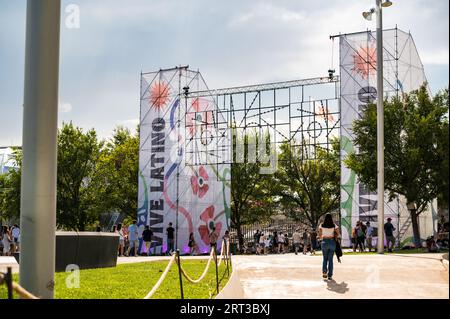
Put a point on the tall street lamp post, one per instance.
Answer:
(380, 117)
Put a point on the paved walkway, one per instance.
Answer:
(358, 276)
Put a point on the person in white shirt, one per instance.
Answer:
(296, 239)
(266, 244)
(328, 233)
(121, 234)
(281, 243)
(261, 243)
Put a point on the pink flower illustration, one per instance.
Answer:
(208, 217)
(199, 182)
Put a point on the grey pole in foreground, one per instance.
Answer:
(40, 117)
(380, 128)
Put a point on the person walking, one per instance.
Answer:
(170, 231)
(213, 239)
(119, 231)
(133, 239)
(147, 235)
(389, 231)
(280, 241)
(275, 242)
(15, 234)
(261, 244)
(267, 243)
(305, 241)
(360, 236)
(6, 241)
(193, 248)
(369, 236)
(328, 233)
(296, 240)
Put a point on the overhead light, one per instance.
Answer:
(368, 14)
(386, 4)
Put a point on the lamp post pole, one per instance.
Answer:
(40, 117)
(380, 128)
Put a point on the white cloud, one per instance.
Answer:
(267, 13)
(65, 107)
(435, 57)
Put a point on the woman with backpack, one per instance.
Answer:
(328, 234)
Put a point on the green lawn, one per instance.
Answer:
(134, 281)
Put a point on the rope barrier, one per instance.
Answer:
(24, 294)
(203, 274)
(163, 276)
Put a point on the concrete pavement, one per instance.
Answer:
(391, 276)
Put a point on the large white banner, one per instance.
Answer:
(403, 72)
(194, 198)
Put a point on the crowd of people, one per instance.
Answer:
(279, 242)
(9, 240)
(138, 241)
(306, 240)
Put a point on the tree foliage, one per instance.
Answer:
(308, 188)
(10, 190)
(77, 181)
(251, 195)
(117, 172)
(416, 148)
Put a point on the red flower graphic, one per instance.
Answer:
(199, 116)
(365, 61)
(208, 217)
(199, 182)
(159, 95)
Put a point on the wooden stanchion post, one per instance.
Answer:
(8, 281)
(179, 273)
(217, 270)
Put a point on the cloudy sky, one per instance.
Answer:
(234, 42)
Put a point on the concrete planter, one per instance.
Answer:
(87, 250)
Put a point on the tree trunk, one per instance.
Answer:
(416, 230)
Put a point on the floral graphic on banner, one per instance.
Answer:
(159, 95)
(210, 221)
(365, 61)
(199, 182)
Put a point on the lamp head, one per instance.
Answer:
(368, 14)
(386, 4)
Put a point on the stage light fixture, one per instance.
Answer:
(386, 4)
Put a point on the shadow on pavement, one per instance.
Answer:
(341, 288)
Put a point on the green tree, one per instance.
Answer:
(77, 182)
(118, 169)
(308, 187)
(251, 196)
(10, 190)
(416, 149)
